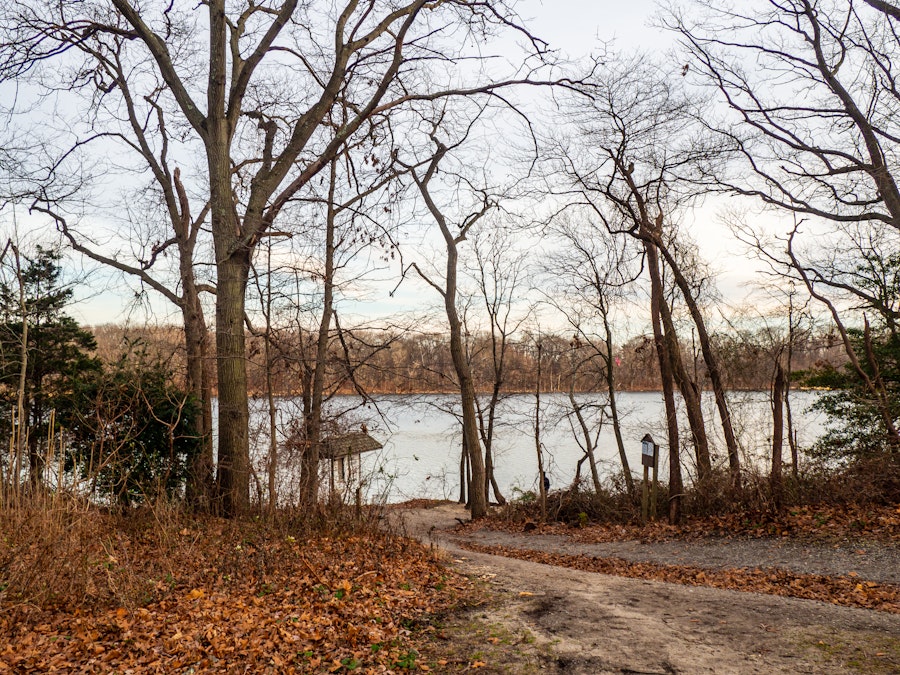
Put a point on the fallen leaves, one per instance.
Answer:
(822, 521)
(236, 600)
(846, 590)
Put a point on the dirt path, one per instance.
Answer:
(579, 622)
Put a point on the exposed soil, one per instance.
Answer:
(543, 618)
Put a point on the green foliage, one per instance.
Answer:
(136, 430)
(407, 661)
(58, 350)
(127, 428)
(856, 429)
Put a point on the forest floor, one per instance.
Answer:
(161, 591)
(817, 591)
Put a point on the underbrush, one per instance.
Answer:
(874, 482)
(71, 554)
(158, 588)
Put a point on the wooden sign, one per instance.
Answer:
(648, 451)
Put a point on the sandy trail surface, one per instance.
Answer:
(583, 622)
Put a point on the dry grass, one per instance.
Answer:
(70, 554)
(873, 482)
(66, 553)
(161, 590)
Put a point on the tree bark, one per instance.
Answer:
(234, 416)
(676, 487)
(689, 393)
(712, 366)
(542, 489)
(463, 473)
(486, 431)
(775, 481)
(309, 482)
(233, 252)
(466, 390)
(199, 383)
(588, 444)
(471, 444)
(614, 408)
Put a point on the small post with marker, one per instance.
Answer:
(649, 454)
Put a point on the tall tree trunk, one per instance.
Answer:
(775, 481)
(689, 393)
(712, 364)
(234, 415)
(270, 392)
(676, 486)
(789, 416)
(486, 431)
(200, 486)
(21, 426)
(273, 429)
(650, 237)
(614, 408)
(467, 398)
(232, 253)
(309, 483)
(477, 497)
(199, 383)
(542, 487)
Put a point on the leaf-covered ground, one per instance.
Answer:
(214, 597)
(821, 522)
(86, 592)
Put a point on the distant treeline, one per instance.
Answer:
(388, 362)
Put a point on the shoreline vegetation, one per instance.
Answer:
(419, 363)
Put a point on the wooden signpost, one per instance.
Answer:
(649, 459)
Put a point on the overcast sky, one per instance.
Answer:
(576, 27)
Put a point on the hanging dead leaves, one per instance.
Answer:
(222, 599)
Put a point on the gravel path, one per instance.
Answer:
(871, 560)
(583, 623)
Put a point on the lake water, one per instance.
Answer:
(421, 438)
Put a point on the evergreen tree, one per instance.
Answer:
(58, 352)
(856, 429)
(135, 435)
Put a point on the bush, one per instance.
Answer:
(135, 436)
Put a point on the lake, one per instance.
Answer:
(422, 439)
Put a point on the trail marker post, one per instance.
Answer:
(649, 458)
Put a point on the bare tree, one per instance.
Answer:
(637, 165)
(815, 125)
(186, 294)
(590, 274)
(211, 69)
(454, 234)
(355, 206)
(852, 269)
(498, 274)
(815, 118)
